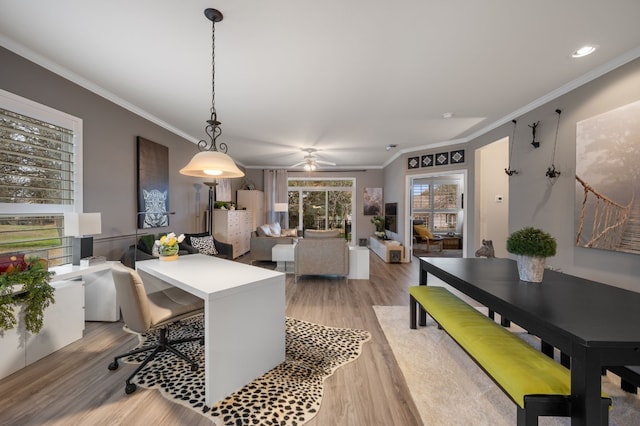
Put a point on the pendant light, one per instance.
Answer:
(212, 161)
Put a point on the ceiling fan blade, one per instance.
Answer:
(328, 163)
(298, 164)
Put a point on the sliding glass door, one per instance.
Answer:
(321, 204)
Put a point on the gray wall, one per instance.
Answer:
(532, 201)
(109, 153)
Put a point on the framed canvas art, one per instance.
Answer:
(607, 174)
(372, 201)
(153, 184)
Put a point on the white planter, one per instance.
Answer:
(530, 268)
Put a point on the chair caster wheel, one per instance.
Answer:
(194, 367)
(130, 388)
(113, 365)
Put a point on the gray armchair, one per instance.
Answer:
(322, 253)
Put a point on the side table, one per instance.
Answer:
(358, 263)
(284, 255)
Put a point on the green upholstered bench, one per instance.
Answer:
(536, 383)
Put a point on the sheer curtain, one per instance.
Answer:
(276, 186)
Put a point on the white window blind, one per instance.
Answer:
(36, 161)
(437, 202)
(38, 178)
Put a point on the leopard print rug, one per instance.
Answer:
(288, 395)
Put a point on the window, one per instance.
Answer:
(321, 203)
(39, 177)
(437, 201)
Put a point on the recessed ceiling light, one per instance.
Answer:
(584, 51)
(447, 115)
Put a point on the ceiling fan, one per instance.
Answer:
(310, 162)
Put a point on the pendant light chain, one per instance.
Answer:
(213, 129)
(213, 69)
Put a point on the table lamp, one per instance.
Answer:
(280, 208)
(80, 226)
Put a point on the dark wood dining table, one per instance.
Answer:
(597, 325)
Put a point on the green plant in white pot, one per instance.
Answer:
(531, 246)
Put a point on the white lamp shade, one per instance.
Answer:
(79, 224)
(212, 164)
(280, 207)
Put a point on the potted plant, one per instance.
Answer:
(532, 246)
(25, 282)
(378, 221)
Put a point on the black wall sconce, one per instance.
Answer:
(552, 173)
(509, 171)
(533, 126)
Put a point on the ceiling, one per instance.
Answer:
(344, 77)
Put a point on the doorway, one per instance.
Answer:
(436, 206)
(491, 212)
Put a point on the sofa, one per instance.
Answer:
(322, 253)
(265, 237)
(143, 250)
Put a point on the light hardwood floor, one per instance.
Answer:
(74, 387)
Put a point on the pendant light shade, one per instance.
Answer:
(212, 164)
(212, 160)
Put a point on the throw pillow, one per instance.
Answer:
(266, 229)
(204, 245)
(146, 243)
(276, 230)
(289, 233)
(423, 231)
(187, 237)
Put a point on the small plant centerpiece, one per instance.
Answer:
(532, 246)
(24, 282)
(378, 221)
(169, 245)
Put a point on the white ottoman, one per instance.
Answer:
(284, 255)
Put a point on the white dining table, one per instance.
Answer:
(244, 316)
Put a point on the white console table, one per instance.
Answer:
(388, 250)
(63, 323)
